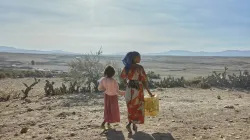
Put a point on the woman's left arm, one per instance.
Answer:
(144, 79)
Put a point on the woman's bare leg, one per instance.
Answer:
(129, 127)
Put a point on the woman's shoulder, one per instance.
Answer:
(138, 66)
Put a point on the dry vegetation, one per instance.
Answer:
(206, 107)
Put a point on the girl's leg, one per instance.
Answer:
(103, 124)
(109, 126)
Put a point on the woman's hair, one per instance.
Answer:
(109, 71)
(128, 60)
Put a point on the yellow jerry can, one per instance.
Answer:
(151, 105)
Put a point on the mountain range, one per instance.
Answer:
(235, 53)
(245, 53)
(17, 50)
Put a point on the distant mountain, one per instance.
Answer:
(202, 53)
(16, 50)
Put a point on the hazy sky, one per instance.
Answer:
(124, 25)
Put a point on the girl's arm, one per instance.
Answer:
(100, 86)
(118, 91)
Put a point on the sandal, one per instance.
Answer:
(129, 129)
(109, 126)
(103, 127)
(134, 127)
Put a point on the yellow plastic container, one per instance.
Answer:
(151, 105)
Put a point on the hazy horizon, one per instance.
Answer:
(147, 26)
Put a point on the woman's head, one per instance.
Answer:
(131, 58)
(109, 72)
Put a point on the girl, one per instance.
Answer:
(111, 90)
(136, 79)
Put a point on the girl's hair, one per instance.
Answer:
(109, 71)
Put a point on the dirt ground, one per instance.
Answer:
(185, 114)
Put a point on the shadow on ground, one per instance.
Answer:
(112, 134)
(155, 136)
(118, 135)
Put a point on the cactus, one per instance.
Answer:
(29, 88)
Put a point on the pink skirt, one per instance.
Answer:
(111, 109)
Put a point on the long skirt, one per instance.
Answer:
(135, 104)
(111, 109)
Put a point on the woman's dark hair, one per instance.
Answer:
(109, 71)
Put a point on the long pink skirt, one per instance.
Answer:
(111, 109)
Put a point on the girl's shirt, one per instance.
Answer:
(109, 86)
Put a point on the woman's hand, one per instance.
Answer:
(152, 95)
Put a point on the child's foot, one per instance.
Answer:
(103, 127)
(109, 126)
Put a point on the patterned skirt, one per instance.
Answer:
(135, 103)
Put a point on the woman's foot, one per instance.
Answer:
(129, 129)
(134, 127)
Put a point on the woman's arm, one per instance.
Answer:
(145, 85)
(144, 80)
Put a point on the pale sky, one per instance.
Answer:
(124, 25)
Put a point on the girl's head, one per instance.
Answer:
(131, 58)
(109, 72)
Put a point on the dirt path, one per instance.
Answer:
(185, 114)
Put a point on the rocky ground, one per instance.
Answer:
(185, 114)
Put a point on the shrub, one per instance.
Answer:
(153, 75)
(86, 70)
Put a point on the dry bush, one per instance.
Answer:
(86, 70)
(7, 94)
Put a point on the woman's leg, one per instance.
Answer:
(134, 127)
(129, 127)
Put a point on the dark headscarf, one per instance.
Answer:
(129, 58)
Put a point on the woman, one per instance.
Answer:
(136, 78)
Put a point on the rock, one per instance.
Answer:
(229, 106)
(16, 135)
(24, 130)
(30, 109)
(72, 134)
(218, 97)
(34, 137)
(74, 113)
(48, 138)
(27, 100)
